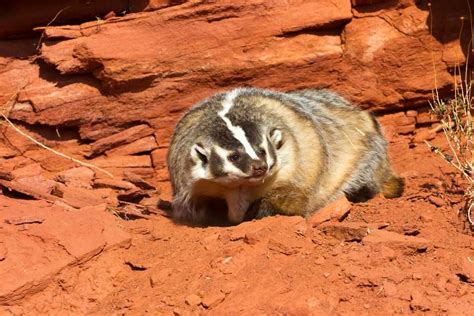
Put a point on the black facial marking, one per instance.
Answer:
(223, 137)
(243, 163)
(243, 115)
(234, 157)
(216, 165)
(201, 155)
(252, 131)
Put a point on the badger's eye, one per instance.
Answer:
(233, 157)
(262, 152)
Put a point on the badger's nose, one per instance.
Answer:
(259, 168)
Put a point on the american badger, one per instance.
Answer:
(262, 152)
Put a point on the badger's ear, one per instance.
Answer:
(199, 153)
(276, 138)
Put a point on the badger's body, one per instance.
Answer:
(265, 152)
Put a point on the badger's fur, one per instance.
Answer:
(264, 152)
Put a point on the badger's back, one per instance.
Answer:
(334, 146)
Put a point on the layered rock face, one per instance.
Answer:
(77, 87)
(104, 82)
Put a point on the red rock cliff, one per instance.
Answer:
(145, 62)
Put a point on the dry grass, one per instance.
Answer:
(456, 120)
(455, 115)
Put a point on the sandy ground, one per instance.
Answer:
(410, 254)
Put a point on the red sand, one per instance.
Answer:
(386, 256)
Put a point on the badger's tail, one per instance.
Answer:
(393, 186)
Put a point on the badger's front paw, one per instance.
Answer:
(259, 209)
(236, 216)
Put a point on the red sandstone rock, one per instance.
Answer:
(281, 246)
(145, 144)
(336, 209)
(324, 275)
(467, 269)
(158, 158)
(193, 300)
(411, 113)
(365, 2)
(96, 131)
(113, 184)
(390, 289)
(382, 60)
(406, 129)
(424, 134)
(15, 162)
(80, 177)
(419, 302)
(66, 32)
(425, 117)
(39, 183)
(345, 231)
(17, 141)
(398, 119)
(125, 137)
(294, 49)
(27, 171)
(77, 197)
(133, 195)
(144, 172)
(49, 160)
(123, 162)
(3, 252)
(7, 151)
(397, 240)
(5, 175)
(31, 190)
(138, 181)
(64, 238)
(436, 200)
(18, 20)
(213, 299)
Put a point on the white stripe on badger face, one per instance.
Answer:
(199, 172)
(236, 131)
(227, 166)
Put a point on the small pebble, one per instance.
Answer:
(436, 200)
(193, 300)
(213, 299)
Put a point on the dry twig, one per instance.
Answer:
(3, 114)
(50, 22)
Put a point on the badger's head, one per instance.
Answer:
(245, 156)
(237, 146)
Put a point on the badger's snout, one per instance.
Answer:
(258, 168)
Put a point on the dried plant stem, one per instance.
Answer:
(19, 131)
(52, 150)
(469, 214)
(437, 151)
(457, 122)
(54, 19)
